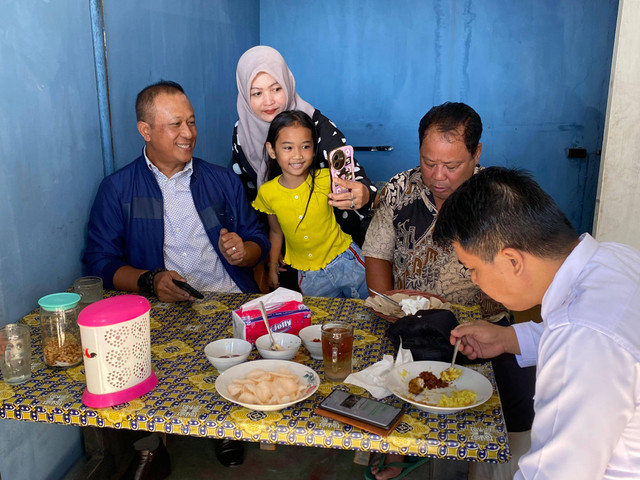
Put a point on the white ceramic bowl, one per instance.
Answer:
(227, 352)
(308, 335)
(291, 344)
(307, 377)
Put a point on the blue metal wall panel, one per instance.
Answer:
(50, 165)
(196, 45)
(536, 72)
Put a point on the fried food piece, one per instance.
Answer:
(416, 385)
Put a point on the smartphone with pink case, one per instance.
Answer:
(341, 164)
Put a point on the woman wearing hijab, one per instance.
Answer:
(266, 87)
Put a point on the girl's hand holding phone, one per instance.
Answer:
(354, 199)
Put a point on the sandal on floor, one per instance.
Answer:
(410, 464)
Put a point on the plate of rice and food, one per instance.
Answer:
(267, 385)
(434, 387)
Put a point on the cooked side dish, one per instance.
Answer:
(458, 398)
(450, 374)
(425, 380)
(428, 381)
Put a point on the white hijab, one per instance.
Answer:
(252, 131)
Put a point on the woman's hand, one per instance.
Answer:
(354, 199)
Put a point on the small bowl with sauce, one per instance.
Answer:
(227, 352)
(312, 338)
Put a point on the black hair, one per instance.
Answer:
(501, 208)
(146, 97)
(448, 118)
(290, 118)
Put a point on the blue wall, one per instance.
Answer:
(50, 166)
(536, 71)
(51, 160)
(196, 45)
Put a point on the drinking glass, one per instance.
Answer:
(337, 350)
(15, 353)
(89, 289)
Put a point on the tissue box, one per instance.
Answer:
(288, 317)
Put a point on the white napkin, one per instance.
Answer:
(279, 295)
(374, 378)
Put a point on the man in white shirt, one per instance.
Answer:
(522, 251)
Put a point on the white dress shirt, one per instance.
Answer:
(187, 248)
(587, 403)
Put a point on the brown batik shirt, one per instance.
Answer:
(401, 233)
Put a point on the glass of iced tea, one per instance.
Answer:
(337, 350)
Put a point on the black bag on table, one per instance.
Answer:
(426, 334)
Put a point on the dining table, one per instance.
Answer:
(185, 400)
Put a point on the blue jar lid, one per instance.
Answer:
(59, 301)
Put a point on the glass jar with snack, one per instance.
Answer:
(59, 328)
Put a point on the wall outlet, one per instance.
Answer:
(577, 152)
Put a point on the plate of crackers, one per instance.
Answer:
(435, 387)
(267, 385)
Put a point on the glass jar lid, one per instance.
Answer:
(59, 301)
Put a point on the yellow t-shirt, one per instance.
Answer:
(318, 239)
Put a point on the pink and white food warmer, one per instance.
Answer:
(116, 348)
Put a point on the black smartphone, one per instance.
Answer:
(361, 408)
(188, 288)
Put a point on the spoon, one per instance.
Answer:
(274, 346)
(382, 295)
(455, 351)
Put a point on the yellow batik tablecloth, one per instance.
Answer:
(185, 400)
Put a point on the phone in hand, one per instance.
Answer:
(188, 288)
(341, 165)
(362, 408)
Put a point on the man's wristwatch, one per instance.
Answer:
(145, 281)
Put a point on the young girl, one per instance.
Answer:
(295, 199)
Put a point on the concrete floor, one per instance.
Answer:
(194, 459)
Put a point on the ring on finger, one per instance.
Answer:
(234, 249)
(351, 198)
(352, 205)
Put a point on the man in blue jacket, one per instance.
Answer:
(168, 215)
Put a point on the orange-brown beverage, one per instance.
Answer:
(337, 349)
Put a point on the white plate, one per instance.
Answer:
(398, 382)
(307, 376)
